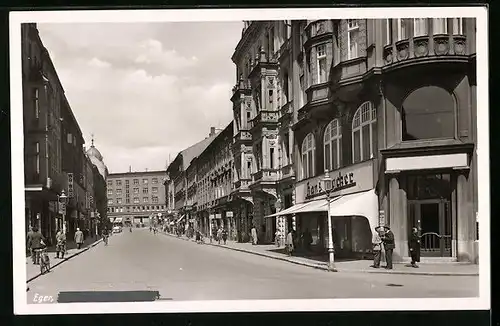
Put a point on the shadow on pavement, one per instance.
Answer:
(108, 296)
(315, 256)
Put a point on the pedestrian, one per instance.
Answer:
(389, 245)
(224, 235)
(290, 243)
(277, 238)
(105, 235)
(60, 243)
(377, 247)
(219, 235)
(78, 238)
(254, 235)
(414, 245)
(35, 242)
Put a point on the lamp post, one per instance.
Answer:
(63, 197)
(277, 205)
(327, 185)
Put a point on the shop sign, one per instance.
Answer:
(345, 181)
(229, 214)
(218, 216)
(62, 208)
(70, 185)
(212, 216)
(381, 217)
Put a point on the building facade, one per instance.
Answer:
(135, 197)
(214, 169)
(410, 142)
(182, 183)
(263, 116)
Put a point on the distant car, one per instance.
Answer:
(117, 229)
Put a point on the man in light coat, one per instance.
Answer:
(290, 243)
(377, 248)
(60, 243)
(78, 238)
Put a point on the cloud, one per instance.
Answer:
(145, 90)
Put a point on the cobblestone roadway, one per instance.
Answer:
(182, 270)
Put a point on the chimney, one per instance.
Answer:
(212, 131)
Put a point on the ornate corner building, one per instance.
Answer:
(388, 106)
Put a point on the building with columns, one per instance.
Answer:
(336, 95)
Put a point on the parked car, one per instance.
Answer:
(117, 229)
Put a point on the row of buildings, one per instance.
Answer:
(55, 159)
(387, 106)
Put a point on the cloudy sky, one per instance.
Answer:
(145, 90)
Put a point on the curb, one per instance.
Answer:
(65, 259)
(325, 268)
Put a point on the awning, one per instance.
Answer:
(360, 204)
(118, 220)
(180, 219)
(311, 206)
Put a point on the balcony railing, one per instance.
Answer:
(287, 171)
(242, 183)
(265, 117)
(318, 92)
(265, 175)
(243, 135)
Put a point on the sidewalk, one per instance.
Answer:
(33, 271)
(353, 266)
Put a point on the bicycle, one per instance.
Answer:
(44, 260)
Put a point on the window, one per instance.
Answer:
(388, 31)
(155, 200)
(36, 103)
(364, 133)
(127, 191)
(458, 26)
(352, 39)
(136, 182)
(308, 153)
(136, 200)
(419, 27)
(127, 182)
(37, 158)
(333, 145)
(118, 191)
(110, 183)
(439, 26)
(118, 200)
(402, 29)
(127, 201)
(145, 190)
(154, 181)
(118, 182)
(136, 190)
(271, 158)
(145, 181)
(110, 201)
(321, 61)
(428, 113)
(110, 192)
(154, 190)
(145, 200)
(249, 169)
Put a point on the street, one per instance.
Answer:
(182, 270)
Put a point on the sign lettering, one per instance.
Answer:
(342, 181)
(70, 185)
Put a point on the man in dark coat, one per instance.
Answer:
(414, 245)
(35, 242)
(389, 245)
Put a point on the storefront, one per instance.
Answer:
(432, 190)
(353, 208)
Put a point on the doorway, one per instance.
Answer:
(432, 218)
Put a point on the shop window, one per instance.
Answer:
(419, 27)
(308, 156)
(352, 38)
(402, 29)
(428, 113)
(364, 133)
(439, 26)
(332, 141)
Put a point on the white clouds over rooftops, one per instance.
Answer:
(140, 87)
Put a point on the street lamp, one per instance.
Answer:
(277, 205)
(327, 185)
(63, 197)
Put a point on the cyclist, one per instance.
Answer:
(105, 236)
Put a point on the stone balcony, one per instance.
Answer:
(286, 111)
(243, 136)
(265, 118)
(242, 183)
(287, 172)
(265, 175)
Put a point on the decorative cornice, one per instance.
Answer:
(248, 37)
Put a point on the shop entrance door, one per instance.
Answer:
(432, 218)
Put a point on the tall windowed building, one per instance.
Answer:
(134, 197)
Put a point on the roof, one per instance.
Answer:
(192, 152)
